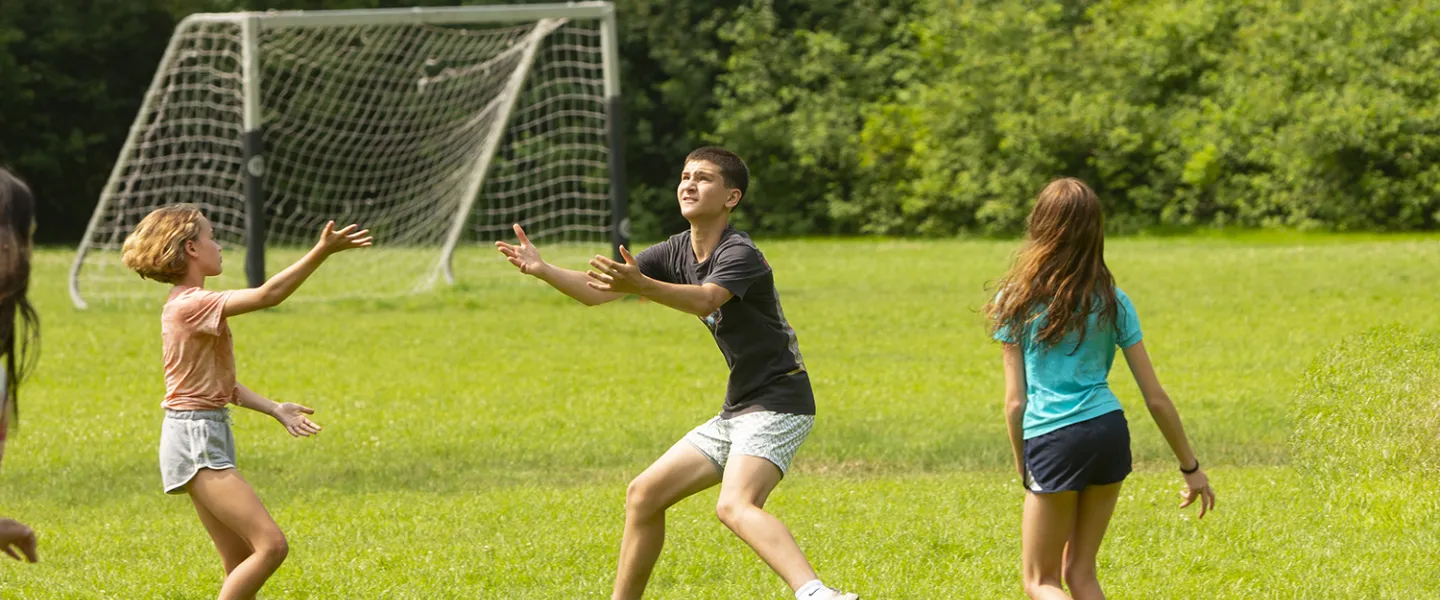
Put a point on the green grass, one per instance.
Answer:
(478, 439)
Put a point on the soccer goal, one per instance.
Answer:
(436, 128)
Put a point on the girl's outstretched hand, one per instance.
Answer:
(1197, 487)
(332, 241)
(292, 416)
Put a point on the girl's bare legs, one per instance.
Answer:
(233, 549)
(1048, 523)
(229, 499)
(1092, 517)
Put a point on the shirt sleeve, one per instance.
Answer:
(1003, 333)
(655, 262)
(737, 267)
(202, 310)
(1127, 322)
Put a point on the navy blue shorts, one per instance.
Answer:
(1077, 456)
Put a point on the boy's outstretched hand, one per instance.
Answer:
(611, 276)
(332, 241)
(524, 256)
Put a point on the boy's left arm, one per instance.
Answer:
(610, 276)
(289, 414)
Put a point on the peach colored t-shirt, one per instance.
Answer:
(199, 354)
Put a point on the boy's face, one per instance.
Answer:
(204, 251)
(703, 193)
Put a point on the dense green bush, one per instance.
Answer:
(1179, 113)
(910, 117)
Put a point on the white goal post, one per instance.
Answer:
(430, 126)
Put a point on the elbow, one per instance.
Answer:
(1158, 401)
(270, 298)
(709, 305)
(593, 299)
(1014, 406)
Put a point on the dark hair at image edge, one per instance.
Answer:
(19, 325)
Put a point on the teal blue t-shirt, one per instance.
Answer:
(1065, 385)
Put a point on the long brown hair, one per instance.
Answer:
(17, 348)
(1059, 272)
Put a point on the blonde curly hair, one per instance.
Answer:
(156, 249)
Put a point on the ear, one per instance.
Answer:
(734, 199)
(190, 248)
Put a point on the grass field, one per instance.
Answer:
(478, 439)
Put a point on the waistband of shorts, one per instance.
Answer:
(217, 414)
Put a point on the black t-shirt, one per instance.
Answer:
(766, 369)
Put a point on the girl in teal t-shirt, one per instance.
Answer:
(1060, 318)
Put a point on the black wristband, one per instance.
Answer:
(1191, 470)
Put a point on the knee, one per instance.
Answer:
(273, 546)
(1080, 574)
(641, 499)
(729, 510)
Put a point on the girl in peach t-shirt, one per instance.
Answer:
(176, 245)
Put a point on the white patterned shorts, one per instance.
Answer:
(769, 435)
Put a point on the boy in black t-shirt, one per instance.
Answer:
(717, 274)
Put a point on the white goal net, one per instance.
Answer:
(431, 132)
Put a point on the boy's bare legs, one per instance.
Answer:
(680, 473)
(748, 483)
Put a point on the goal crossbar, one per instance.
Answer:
(253, 26)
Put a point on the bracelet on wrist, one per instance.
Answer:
(1191, 470)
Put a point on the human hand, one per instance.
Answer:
(611, 276)
(292, 416)
(525, 256)
(15, 536)
(332, 241)
(1197, 487)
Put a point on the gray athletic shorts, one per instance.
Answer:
(191, 440)
(769, 435)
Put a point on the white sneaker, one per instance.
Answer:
(829, 594)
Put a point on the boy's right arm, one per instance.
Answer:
(276, 289)
(571, 283)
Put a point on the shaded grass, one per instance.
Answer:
(1369, 409)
